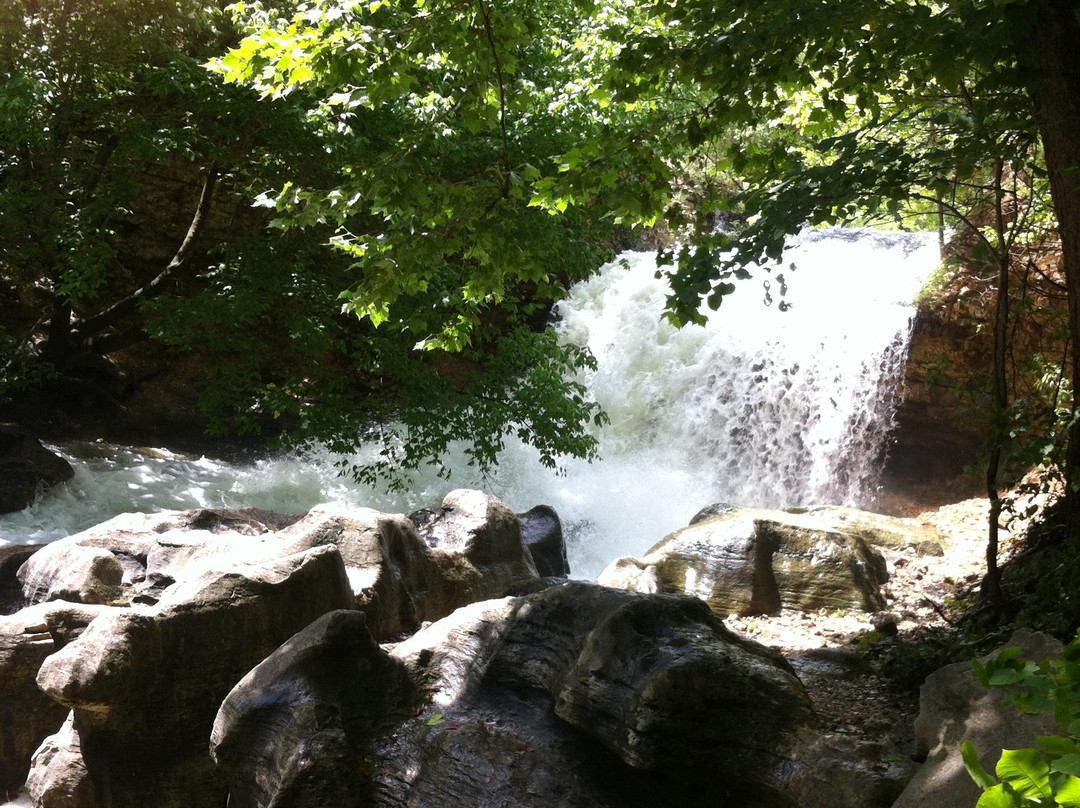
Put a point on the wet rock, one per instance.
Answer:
(754, 561)
(26, 468)
(541, 530)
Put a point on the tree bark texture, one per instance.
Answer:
(1053, 55)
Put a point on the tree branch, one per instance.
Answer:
(86, 329)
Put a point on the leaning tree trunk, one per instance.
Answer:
(1054, 56)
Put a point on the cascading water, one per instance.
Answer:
(758, 407)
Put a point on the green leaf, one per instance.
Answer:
(998, 797)
(435, 720)
(1068, 764)
(975, 768)
(1025, 770)
(1068, 793)
(1057, 745)
(1005, 676)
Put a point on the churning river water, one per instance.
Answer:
(758, 407)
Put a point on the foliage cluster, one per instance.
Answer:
(468, 161)
(1046, 775)
(420, 192)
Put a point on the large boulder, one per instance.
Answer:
(756, 561)
(479, 539)
(397, 579)
(72, 572)
(169, 610)
(144, 683)
(26, 468)
(27, 715)
(471, 549)
(297, 730)
(541, 530)
(575, 696)
(954, 707)
(583, 695)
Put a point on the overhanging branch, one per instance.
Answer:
(86, 329)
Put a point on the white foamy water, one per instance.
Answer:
(758, 407)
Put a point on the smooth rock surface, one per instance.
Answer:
(756, 561)
(298, 728)
(145, 683)
(541, 530)
(72, 572)
(954, 707)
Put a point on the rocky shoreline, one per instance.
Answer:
(351, 657)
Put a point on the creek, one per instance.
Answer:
(758, 407)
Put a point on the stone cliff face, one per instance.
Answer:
(941, 421)
(939, 446)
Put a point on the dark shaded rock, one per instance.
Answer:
(828, 663)
(297, 729)
(26, 468)
(755, 561)
(27, 715)
(578, 696)
(145, 684)
(11, 558)
(886, 623)
(541, 530)
(583, 695)
(843, 772)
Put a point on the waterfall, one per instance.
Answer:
(759, 406)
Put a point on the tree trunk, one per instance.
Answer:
(999, 420)
(1054, 37)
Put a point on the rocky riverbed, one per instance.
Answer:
(532, 691)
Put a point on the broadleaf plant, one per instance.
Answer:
(1046, 774)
